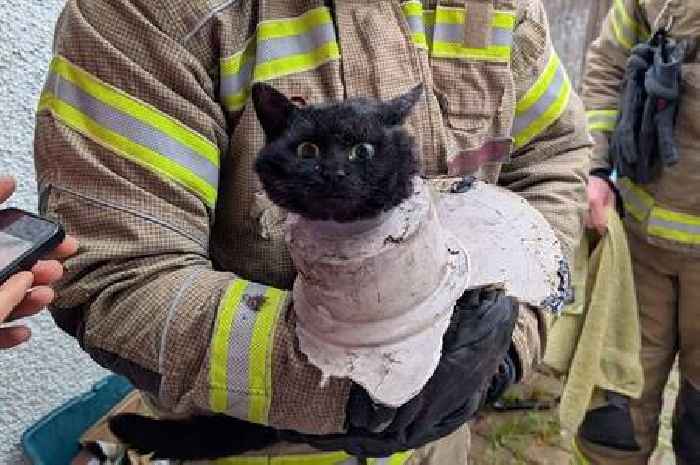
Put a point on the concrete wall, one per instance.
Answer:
(50, 369)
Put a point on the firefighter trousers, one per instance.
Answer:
(668, 292)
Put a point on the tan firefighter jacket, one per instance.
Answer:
(666, 211)
(144, 147)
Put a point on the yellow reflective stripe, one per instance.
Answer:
(420, 39)
(538, 89)
(237, 101)
(503, 20)
(637, 201)
(449, 15)
(275, 28)
(260, 380)
(455, 15)
(578, 457)
(542, 104)
(602, 120)
(218, 366)
(640, 30)
(674, 226)
(413, 8)
(234, 63)
(619, 33)
(626, 30)
(327, 458)
(117, 143)
(297, 63)
(454, 50)
(136, 109)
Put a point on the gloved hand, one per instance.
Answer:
(473, 347)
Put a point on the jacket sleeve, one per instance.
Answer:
(623, 27)
(549, 164)
(128, 146)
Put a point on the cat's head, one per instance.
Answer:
(344, 162)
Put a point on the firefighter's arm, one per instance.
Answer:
(129, 142)
(550, 160)
(623, 27)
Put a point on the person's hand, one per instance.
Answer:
(600, 199)
(25, 293)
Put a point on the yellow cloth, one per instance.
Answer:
(596, 342)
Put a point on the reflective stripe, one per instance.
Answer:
(661, 222)
(218, 360)
(543, 103)
(132, 129)
(674, 226)
(240, 361)
(578, 457)
(626, 30)
(602, 120)
(280, 47)
(636, 200)
(413, 11)
(236, 76)
(330, 458)
(260, 376)
(448, 35)
(397, 459)
(441, 31)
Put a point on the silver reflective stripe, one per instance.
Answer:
(455, 33)
(132, 129)
(239, 350)
(542, 104)
(683, 227)
(235, 83)
(174, 305)
(416, 24)
(279, 47)
(639, 209)
(502, 37)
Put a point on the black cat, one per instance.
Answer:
(343, 162)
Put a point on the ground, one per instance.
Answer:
(534, 438)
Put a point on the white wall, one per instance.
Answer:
(49, 369)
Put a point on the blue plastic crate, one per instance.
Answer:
(55, 439)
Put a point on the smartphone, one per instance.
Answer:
(25, 238)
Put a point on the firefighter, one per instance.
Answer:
(145, 140)
(643, 106)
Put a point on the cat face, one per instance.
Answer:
(344, 162)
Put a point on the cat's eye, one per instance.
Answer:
(361, 152)
(307, 151)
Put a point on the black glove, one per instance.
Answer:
(473, 347)
(505, 377)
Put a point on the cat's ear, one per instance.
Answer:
(395, 111)
(273, 109)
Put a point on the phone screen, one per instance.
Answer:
(11, 248)
(24, 239)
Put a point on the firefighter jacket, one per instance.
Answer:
(667, 210)
(144, 146)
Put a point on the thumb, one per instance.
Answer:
(7, 187)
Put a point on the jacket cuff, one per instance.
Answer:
(529, 339)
